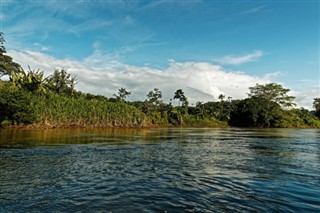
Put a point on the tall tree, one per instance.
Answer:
(155, 97)
(7, 66)
(264, 104)
(122, 94)
(316, 105)
(179, 94)
(221, 97)
(154, 103)
(272, 92)
(252, 112)
(183, 104)
(61, 82)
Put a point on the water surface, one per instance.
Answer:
(160, 170)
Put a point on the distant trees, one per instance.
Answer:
(122, 94)
(61, 82)
(30, 97)
(316, 106)
(272, 93)
(263, 107)
(179, 94)
(153, 102)
(183, 105)
(252, 112)
(155, 97)
(158, 111)
(221, 97)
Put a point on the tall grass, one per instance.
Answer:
(57, 110)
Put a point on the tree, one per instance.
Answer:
(316, 105)
(15, 107)
(31, 81)
(183, 104)
(122, 94)
(272, 92)
(221, 97)
(251, 112)
(179, 94)
(61, 82)
(7, 66)
(155, 97)
(269, 98)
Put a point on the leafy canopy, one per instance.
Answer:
(122, 94)
(316, 105)
(272, 92)
(179, 94)
(7, 66)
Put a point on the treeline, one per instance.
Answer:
(30, 98)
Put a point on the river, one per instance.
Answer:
(160, 170)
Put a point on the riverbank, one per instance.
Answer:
(63, 126)
(51, 110)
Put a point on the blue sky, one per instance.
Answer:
(257, 41)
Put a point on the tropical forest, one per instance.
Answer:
(30, 99)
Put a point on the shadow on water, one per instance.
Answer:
(17, 138)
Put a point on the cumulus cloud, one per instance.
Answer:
(237, 60)
(306, 97)
(201, 81)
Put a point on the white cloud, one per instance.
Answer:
(306, 97)
(99, 74)
(237, 60)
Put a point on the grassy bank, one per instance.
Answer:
(50, 110)
(53, 110)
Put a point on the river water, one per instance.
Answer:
(160, 170)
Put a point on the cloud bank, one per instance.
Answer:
(99, 74)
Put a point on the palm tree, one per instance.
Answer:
(31, 81)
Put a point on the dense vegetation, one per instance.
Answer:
(28, 97)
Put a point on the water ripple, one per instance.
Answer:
(161, 170)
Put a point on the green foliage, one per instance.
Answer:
(299, 118)
(179, 94)
(157, 111)
(31, 81)
(316, 106)
(272, 93)
(122, 94)
(220, 110)
(7, 66)
(29, 98)
(153, 103)
(155, 97)
(90, 96)
(58, 110)
(263, 107)
(193, 120)
(61, 82)
(251, 112)
(15, 107)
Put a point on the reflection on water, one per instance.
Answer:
(164, 169)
